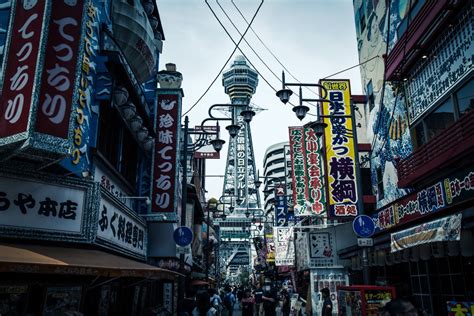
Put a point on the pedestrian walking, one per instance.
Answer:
(286, 303)
(229, 302)
(270, 301)
(248, 303)
(327, 304)
(203, 306)
(216, 301)
(258, 293)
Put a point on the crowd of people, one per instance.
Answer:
(252, 301)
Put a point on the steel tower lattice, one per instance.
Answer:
(240, 83)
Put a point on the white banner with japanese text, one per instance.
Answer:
(284, 246)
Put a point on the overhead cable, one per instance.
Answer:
(228, 59)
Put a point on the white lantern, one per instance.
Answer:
(135, 123)
(438, 249)
(120, 95)
(128, 110)
(142, 134)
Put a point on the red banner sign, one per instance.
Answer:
(166, 146)
(20, 69)
(58, 78)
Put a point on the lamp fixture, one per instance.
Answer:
(224, 217)
(233, 129)
(284, 95)
(260, 226)
(217, 144)
(247, 213)
(248, 115)
(318, 127)
(231, 209)
(238, 201)
(300, 111)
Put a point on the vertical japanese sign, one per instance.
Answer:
(166, 156)
(307, 172)
(60, 68)
(84, 106)
(241, 158)
(20, 80)
(288, 182)
(281, 208)
(341, 177)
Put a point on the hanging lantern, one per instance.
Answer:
(148, 6)
(128, 110)
(415, 254)
(142, 134)
(135, 123)
(437, 248)
(120, 95)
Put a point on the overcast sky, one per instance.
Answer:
(311, 38)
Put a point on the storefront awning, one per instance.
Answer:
(60, 260)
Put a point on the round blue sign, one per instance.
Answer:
(363, 226)
(183, 236)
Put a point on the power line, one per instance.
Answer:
(360, 64)
(230, 36)
(269, 50)
(228, 59)
(250, 62)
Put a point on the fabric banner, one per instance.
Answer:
(443, 229)
(343, 195)
(307, 172)
(270, 247)
(284, 246)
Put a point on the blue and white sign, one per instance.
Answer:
(183, 236)
(363, 226)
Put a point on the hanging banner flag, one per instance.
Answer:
(307, 172)
(281, 208)
(284, 246)
(270, 247)
(443, 229)
(343, 195)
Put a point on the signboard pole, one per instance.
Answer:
(183, 205)
(357, 164)
(365, 266)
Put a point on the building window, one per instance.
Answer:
(444, 115)
(380, 190)
(465, 98)
(439, 119)
(117, 145)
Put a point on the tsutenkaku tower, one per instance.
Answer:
(240, 83)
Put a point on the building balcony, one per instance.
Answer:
(445, 149)
(428, 20)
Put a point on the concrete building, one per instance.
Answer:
(419, 91)
(77, 144)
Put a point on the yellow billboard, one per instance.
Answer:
(341, 175)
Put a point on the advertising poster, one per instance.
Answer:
(284, 246)
(460, 308)
(270, 248)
